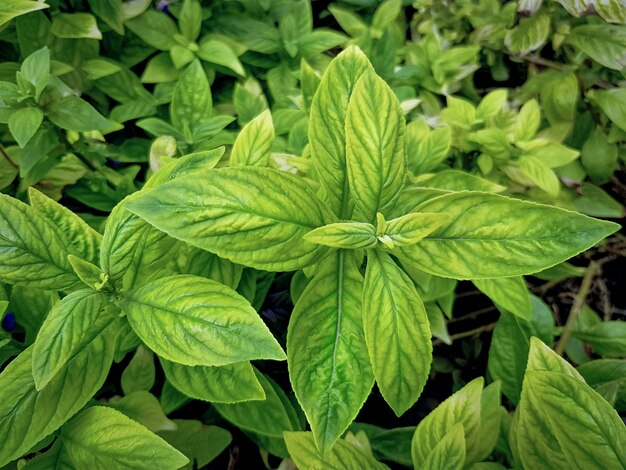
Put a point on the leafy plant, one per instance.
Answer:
(216, 234)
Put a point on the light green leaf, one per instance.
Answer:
(613, 103)
(84, 238)
(155, 28)
(351, 235)
(89, 273)
(456, 180)
(101, 67)
(495, 236)
(327, 357)
(144, 408)
(186, 165)
(559, 94)
(343, 456)
(580, 429)
(606, 44)
(191, 101)
(195, 321)
(230, 383)
(527, 121)
(10, 9)
(492, 104)
(529, 35)
(254, 142)
(425, 152)
(75, 26)
(23, 123)
(409, 229)
(32, 249)
(199, 442)
(460, 113)
(133, 252)
(462, 407)
(70, 327)
(102, 438)
(613, 11)
(219, 53)
(540, 174)
(75, 114)
(449, 453)
(397, 333)
(550, 154)
(374, 147)
(264, 228)
(27, 415)
(139, 374)
(510, 293)
(327, 135)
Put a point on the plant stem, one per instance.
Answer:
(465, 334)
(577, 307)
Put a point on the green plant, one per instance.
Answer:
(215, 234)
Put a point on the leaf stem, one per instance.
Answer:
(577, 306)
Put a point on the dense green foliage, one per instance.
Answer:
(175, 176)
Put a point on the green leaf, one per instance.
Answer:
(190, 19)
(374, 146)
(462, 407)
(70, 327)
(75, 26)
(343, 455)
(456, 180)
(607, 338)
(32, 249)
(84, 238)
(133, 252)
(254, 142)
(550, 154)
(200, 443)
(408, 229)
(191, 101)
(460, 113)
(540, 174)
(492, 104)
(327, 357)
(264, 228)
(111, 12)
(144, 408)
(270, 416)
(196, 321)
(351, 235)
(139, 374)
(606, 44)
(27, 415)
(327, 135)
(99, 68)
(74, 114)
(89, 273)
(579, 428)
(490, 419)
(613, 11)
(510, 293)
(219, 53)
(13, 8)
(613, 103)
(397, 333)
(23, 123)
(449, 453)
(186, 165)
(599, 157)
(495, 236)
(529, 35)
(427, 151)
(527, 121)
(230, 383)
(155, 28)
(103, 438)
(608, 378)
(559, 94)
